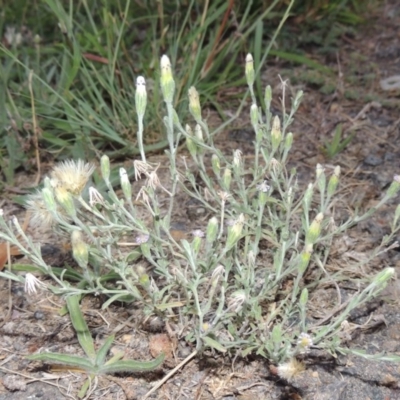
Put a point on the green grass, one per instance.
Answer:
(85, 57)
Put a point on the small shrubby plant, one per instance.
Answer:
(240, 283)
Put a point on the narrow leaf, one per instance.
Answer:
(80, 326)
(102, 352)
(131, 366)
(214, 344)
(64, 359)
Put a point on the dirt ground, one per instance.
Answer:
(362, 103)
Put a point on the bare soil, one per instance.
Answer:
(368, 164)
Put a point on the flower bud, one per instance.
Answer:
(216, 166)
(190, 144)
(125, 184)
(383, 276)
(237, 163)
(144, 279)
(297, 99)
(235, 232)
(254, 116)
(227, 179)
(140, 97)
(314, 230)
(308, 197)
(194, 104)
(196, 244)
(198, 132)
(167, 81)
(80, 250)
(394, 187)
(249, 70)
(333, 181)
(321, 178)
(268, 98)
(66, 200)
(212, 230)
(48, 198)
(276, 133)
(305, 258)
(105, 168)
(288, 142)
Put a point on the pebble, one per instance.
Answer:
(38, 314)
(373, 160)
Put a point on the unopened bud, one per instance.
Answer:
(125, 184)
(249, 70)
(321, 178)
(212, 230)
(268, 98)
(276, 133)
(308, 197)
(216, 166)
(305, 258)
(167, 81)
(227, 179)
(105, 168)
(297, 99)
(80, 250)
(198, 132)
(140, 97)
(254, 116)
(333, 181)
(66, 200)
(237, 163)
(314, 230)
(394, 187)
(380, 280)
(235, 232)
(288, 142)
(190, 144)
(194, 104)
(49, 200)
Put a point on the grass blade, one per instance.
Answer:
(64, 359)
(132, 366)
(102, 353)
(80, 326)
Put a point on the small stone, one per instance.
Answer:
(373, 160)
(38, 314)
(160, 343)
(14, 383)
(9, 328)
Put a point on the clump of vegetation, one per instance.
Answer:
(65, 63)
(244, 280)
